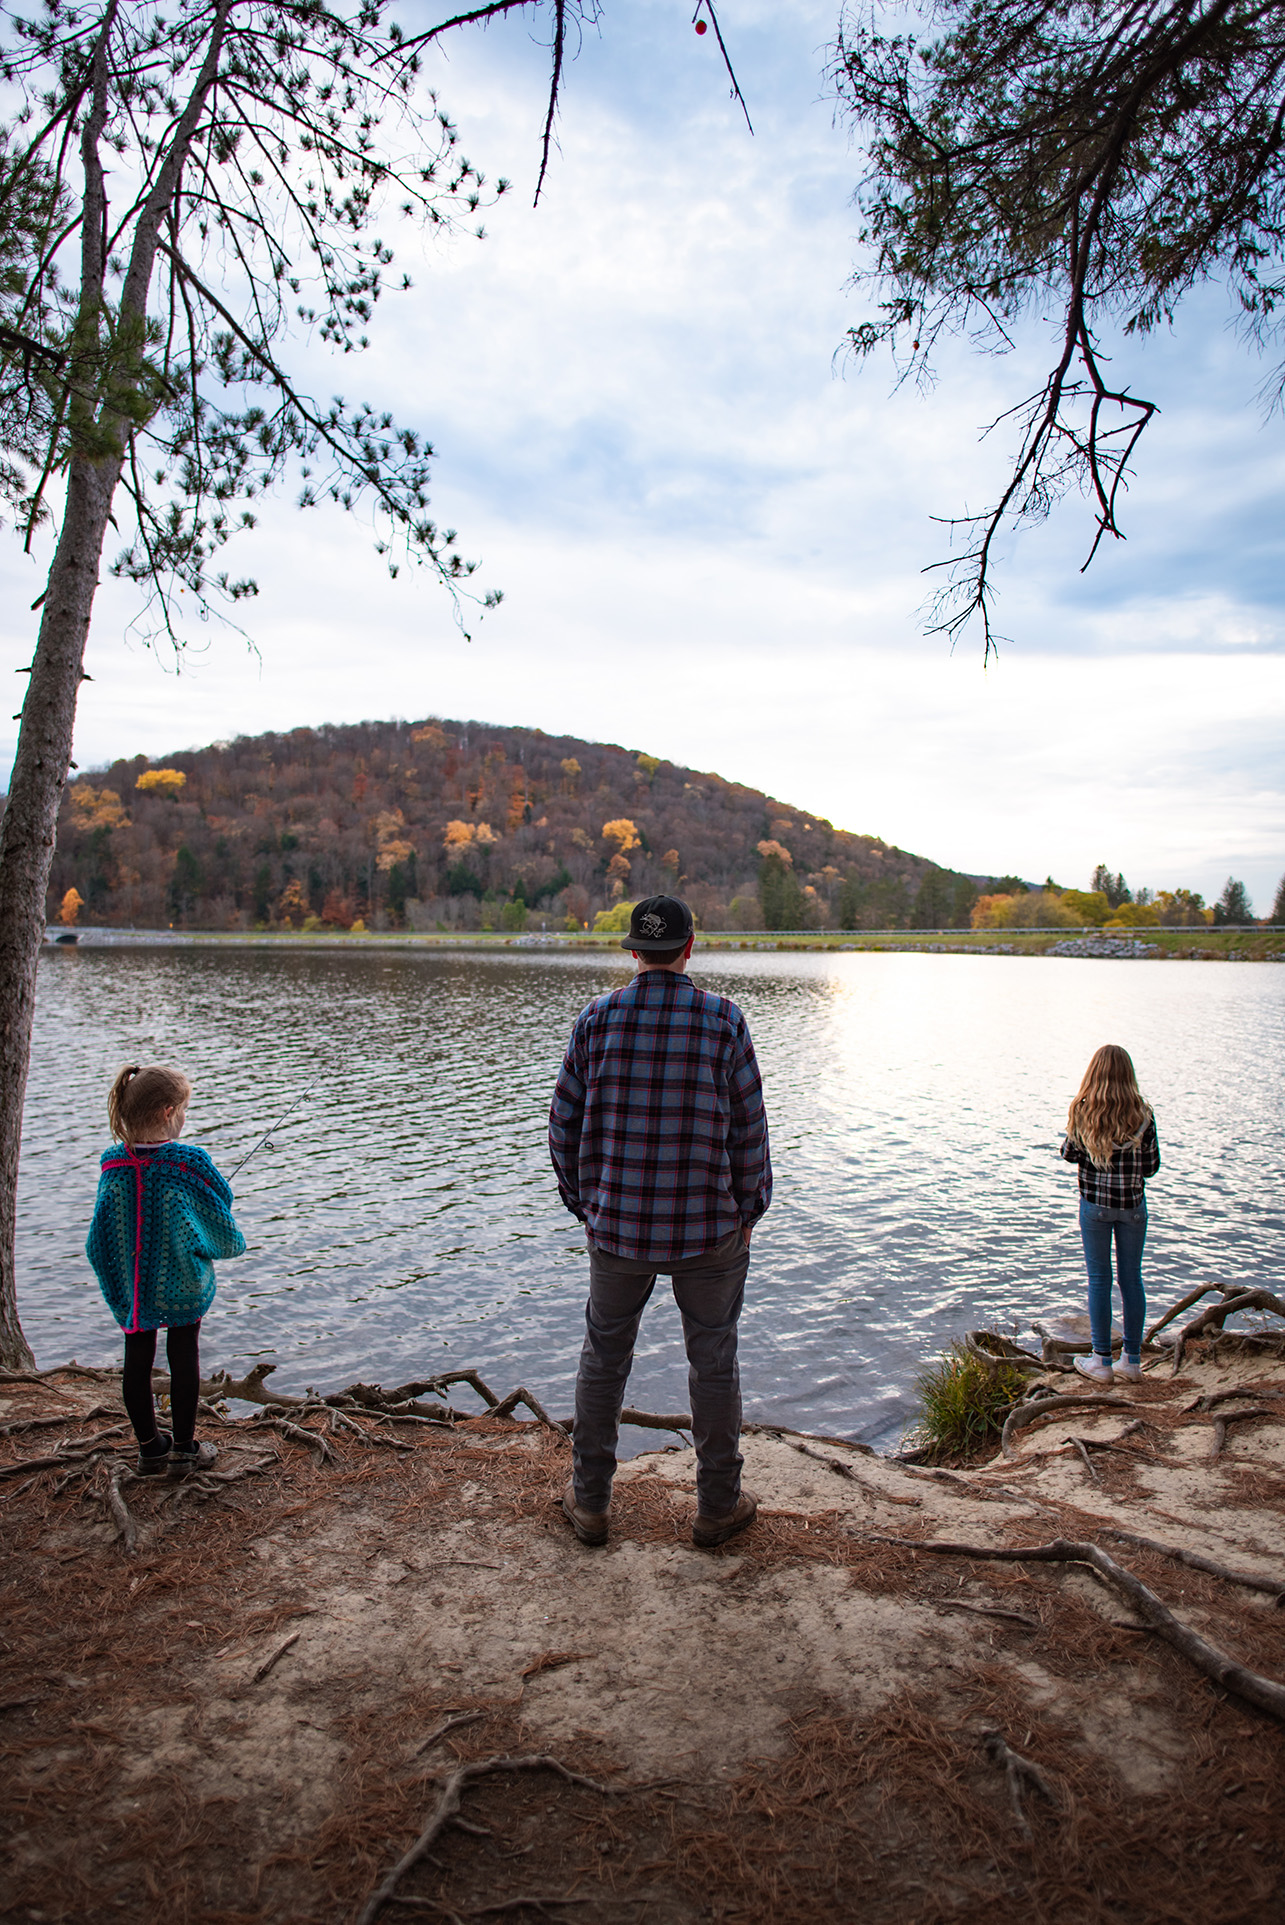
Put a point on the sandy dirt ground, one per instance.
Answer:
(253, 1715)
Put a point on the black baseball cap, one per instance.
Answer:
(658, 922)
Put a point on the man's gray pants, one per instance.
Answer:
(708, 1290)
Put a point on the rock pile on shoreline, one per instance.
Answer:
(1104, 946)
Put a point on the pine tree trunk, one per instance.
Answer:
(27, 831)
(49, 712)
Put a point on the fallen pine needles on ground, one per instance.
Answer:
(319, 1757)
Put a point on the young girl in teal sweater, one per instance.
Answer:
(163, 1213)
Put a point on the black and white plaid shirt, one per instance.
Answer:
(1120, 1185)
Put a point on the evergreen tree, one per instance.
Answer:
(1278, 907)
(1114, 888)
(852, 897)
(1233, 905)
(780, 895)
(185, 886)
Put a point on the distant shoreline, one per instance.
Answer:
(1147, 945)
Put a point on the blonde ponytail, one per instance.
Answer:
(139, 1098)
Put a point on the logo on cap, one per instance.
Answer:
(651, 924)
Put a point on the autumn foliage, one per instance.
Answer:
(444, 824)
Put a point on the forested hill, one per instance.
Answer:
(442, 824)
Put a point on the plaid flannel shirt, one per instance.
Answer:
(1120, 1185)
(657, 1130)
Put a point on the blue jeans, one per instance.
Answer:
(708, 1289)
(1098, 1225)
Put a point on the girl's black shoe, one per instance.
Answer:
(185, 1458)
(153, 1462)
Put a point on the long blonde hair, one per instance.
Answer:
(1109, 1109)
(139, 1098)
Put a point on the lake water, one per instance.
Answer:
(408, 1222)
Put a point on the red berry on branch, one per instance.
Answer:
(701, 27)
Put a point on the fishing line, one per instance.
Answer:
(268, 1134)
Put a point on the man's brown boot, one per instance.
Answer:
(709, 1531)
(589, 1526)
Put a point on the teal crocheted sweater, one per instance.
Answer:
(163, 1212)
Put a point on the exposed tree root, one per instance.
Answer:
(439, 1731)
(447, 1808)
(1019, 1771)
(1266, 1693)
(209, 1483)
(41, 1377)
(1213, 1397)
(311, 1439)
(986, 1611)
(56, 1462)
(1176, 1309)
(1214, 1317)
(62, 1417)
(1196, 1562)
(835, 1464)
(1037, 1408)
(119, 1508)
(1225, 1418)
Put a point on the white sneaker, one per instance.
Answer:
(1132, 1373)
(1094, 1369)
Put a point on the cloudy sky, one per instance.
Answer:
(711, 529)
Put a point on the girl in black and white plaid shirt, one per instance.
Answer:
(1111, 1135)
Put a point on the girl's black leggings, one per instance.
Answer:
(183, 1351)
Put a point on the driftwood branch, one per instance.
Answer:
(1038, 1408)
(999, 1353)
(1195, 1561)
(678, 1420)
(274, 1657)
(249, 1389)
(448, 1805)
(533, 1404)
(1226, 1671)
(1019, 1771)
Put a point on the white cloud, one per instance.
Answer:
(712, 535)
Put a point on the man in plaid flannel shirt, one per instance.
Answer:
(659, 1141)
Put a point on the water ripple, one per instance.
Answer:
(408, 1220)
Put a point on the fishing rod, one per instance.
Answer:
(268, 1134)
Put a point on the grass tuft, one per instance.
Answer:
(963, 1401)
